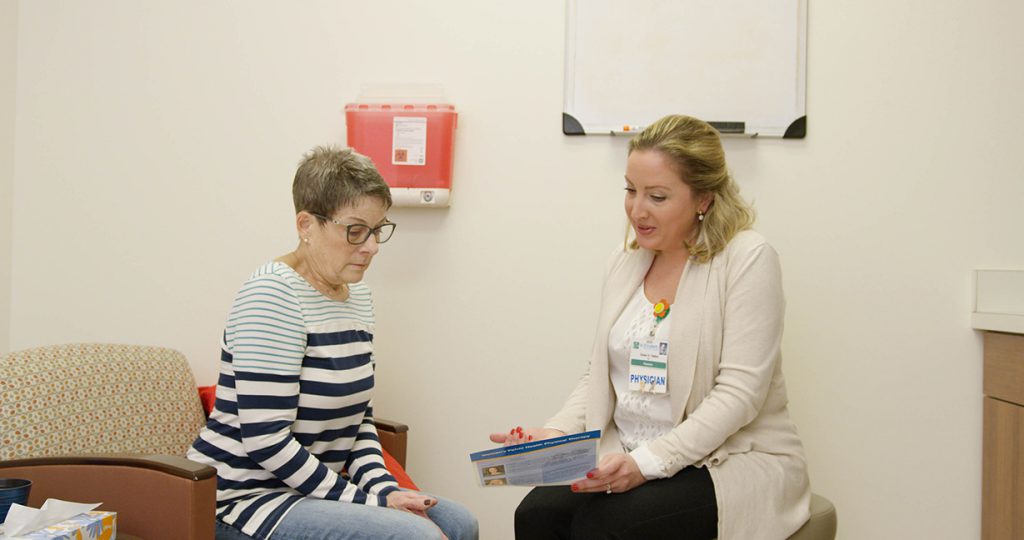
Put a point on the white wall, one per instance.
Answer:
(156, 144)
(8, 56)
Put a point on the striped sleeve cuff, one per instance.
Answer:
(382, 495)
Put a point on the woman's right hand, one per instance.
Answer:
(520, 435)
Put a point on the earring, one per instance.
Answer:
(700, 215)
(306, 240)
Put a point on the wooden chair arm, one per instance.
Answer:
(393, 438)
(173, 465)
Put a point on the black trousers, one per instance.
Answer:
(679, 508)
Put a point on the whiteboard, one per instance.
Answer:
(740, 65)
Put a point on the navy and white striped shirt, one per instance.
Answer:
(293, 407)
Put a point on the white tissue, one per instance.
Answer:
(23, 520)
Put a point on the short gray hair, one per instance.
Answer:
(330, 178)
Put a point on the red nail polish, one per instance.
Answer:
(530, 438)
(575, 487)
(512, 431)
(590, 475)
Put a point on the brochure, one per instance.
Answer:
(549, 462)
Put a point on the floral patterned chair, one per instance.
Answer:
(109, 423)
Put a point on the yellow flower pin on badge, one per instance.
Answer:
(661, 309)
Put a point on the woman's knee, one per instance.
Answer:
(524, 513)
(541, 505)
(457, 522)
(530, 512)
(545, 513)
(416, 527)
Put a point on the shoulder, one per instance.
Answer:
(273, 279)
(275, 271)
(748, 256)
(747, 241)
(747, 245)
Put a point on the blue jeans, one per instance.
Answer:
(317, 519)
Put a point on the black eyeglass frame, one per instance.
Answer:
(378, 232)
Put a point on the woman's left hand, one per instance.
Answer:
(616, 473)
(413, 502)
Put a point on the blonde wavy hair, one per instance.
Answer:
(695, 149)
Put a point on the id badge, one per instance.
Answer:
(648, 366)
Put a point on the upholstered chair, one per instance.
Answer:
(111, 424)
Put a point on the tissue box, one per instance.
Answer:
(87, 526)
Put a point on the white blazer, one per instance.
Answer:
(725, 386)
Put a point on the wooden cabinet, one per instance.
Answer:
(1002, 501)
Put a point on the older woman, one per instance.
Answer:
(292, 434)
(685, 379)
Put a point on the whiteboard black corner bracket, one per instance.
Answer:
(797, 130)
(571, 126)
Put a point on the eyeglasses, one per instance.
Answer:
(357, 233)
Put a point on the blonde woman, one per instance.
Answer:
(685, 378)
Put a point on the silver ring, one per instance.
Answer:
(608, 489)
